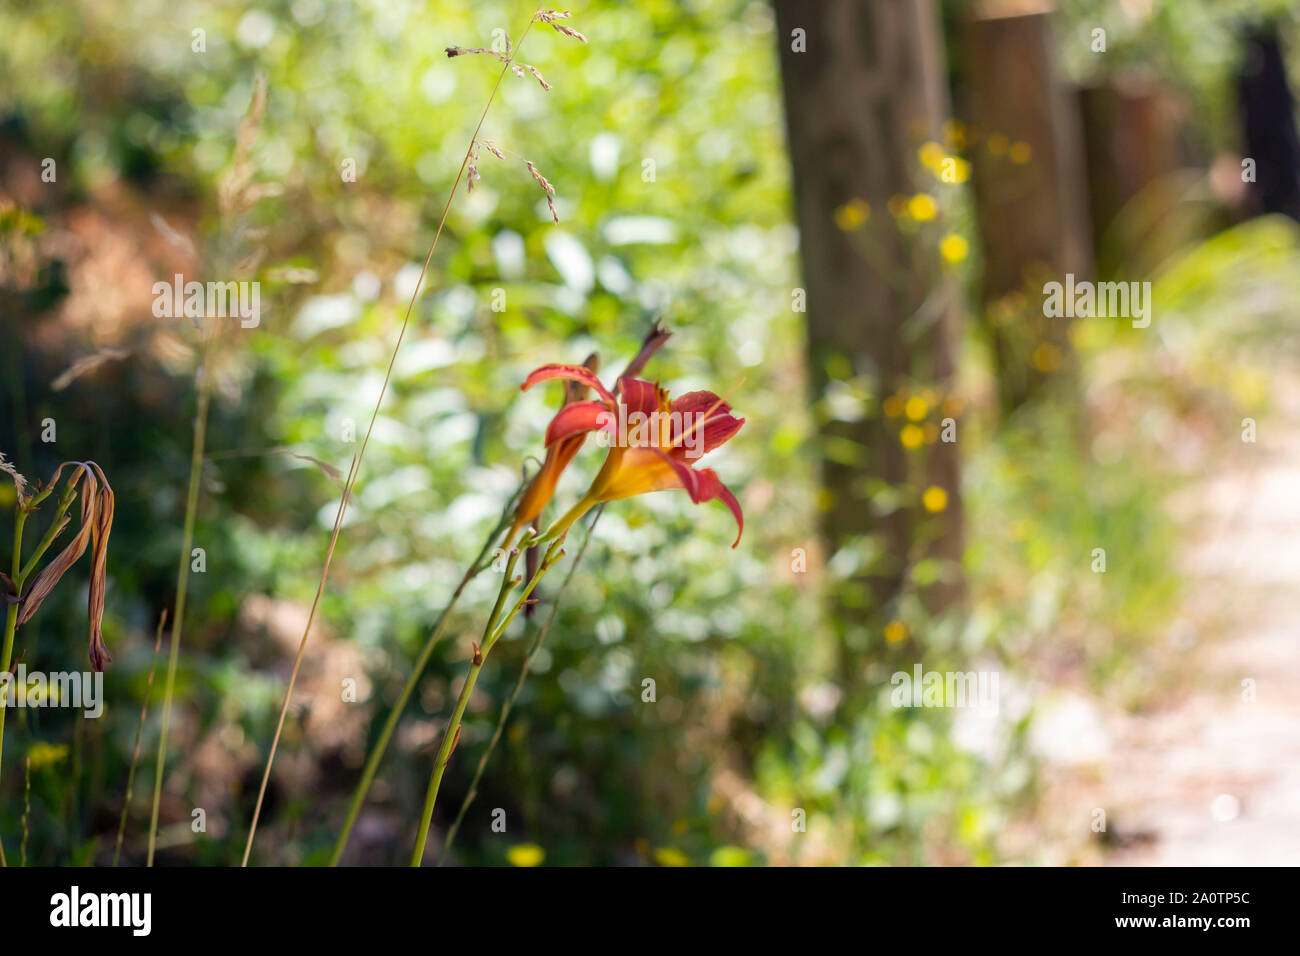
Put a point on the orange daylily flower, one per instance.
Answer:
(559, 454)
(653, 441)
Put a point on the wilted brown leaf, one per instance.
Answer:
(97, 505)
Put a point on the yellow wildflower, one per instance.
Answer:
(935, 499)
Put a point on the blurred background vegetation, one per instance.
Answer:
(753, 717)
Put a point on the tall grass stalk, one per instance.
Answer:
(27, 808)
(356, 467)
(139, 736)
(533, 650)
(182, 583)
(236, 195)
(11, 625)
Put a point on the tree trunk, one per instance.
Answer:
(1131, 129)
(1268, 118)
(1030, 192)
(863, 82)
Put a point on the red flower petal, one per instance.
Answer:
(639, 395)
(701, 402)
(711, 487)
(574, 373)
(717, 428)
(703, 484)
(580, 417)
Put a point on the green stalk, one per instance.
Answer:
(139, 735)
(533, 650)
(11, 625)
(27, 808)
(57, 525)
(182, 582)
(491, 634)
(417, 671)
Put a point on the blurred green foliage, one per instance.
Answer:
(745, 730)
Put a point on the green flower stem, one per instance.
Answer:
(417, 671)
(491, 634)
(570, 518)
(57, 525)
(533, 650)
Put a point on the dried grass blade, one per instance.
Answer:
(20, 482)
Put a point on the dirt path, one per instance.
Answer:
(1211, 778)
